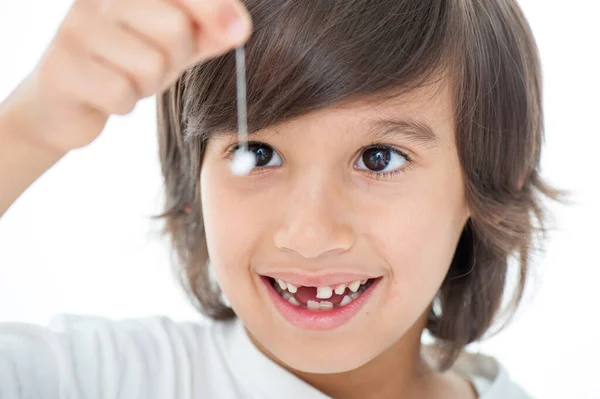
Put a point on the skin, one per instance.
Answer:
(104, 58)
(315, 208)
(404, 228)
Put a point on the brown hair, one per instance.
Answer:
(305, 55)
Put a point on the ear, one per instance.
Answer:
(521, 181)
(520, 184)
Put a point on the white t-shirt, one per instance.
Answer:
(82, 357)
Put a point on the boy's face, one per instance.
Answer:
(337, 202)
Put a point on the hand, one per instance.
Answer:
(109, 54)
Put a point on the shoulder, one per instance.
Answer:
(76, 355)
(489, 377)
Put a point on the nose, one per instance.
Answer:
(317, 221)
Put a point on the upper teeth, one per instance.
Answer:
(354, 286)
(340, 289)
(324, 292)
(292, 288)
(282, 285)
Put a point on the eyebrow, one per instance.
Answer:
(412, 130)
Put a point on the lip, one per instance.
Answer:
(330, 279)
(323, 320)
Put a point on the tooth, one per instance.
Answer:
(354, 285)
(345, 300)
(293, 301)
(324, 292)
(326, 305)
(286, 295)
(364, 281)
(292, 288)
(340, 289)
(354, 295)
(282, 285)
(313, 305)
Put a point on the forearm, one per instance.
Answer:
(22, 159)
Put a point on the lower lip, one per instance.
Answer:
(321, 320)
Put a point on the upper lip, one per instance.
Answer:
(330, 279)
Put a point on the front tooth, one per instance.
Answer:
(345, 300)
(313, 305)
(354, 285)
(293, 301)
(282, 285)
(324, 292)
(326, 305)
(340, 289)
(292, 288)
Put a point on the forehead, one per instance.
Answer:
(424, 115)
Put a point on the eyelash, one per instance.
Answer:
(372, 174)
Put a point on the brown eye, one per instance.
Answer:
(265, 154)
(379, 159)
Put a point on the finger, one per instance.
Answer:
(93, 83)
(145, 65)
(223, 24)
(161, 24)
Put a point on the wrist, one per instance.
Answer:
(19, 125)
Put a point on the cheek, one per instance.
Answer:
(234, 227)
(227, 226)
(417, 236)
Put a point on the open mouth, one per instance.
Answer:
(321, 298)
(320, 307)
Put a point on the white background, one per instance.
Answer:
(80, 239)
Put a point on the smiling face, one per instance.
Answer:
(357, 192)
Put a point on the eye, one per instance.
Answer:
(265, 154)
(381, 159)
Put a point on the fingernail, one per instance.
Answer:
(233, 22)
(237, 30)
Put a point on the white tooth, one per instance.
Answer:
(286, 295)
(324, 292)
(326, 305)
(354, 285)
(293, 301)
(292, 288)
(340, 289)
(364, 281)
(282, 285)
(354, 295)
(345, 300)
(313, 305)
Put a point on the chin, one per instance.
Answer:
(323, 362)
(311, 353)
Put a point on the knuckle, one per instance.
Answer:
(76, 21)
(150, 72)
(122, 96)
(123, 108)
(174, 31)
(176, 25)
(70, 29)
